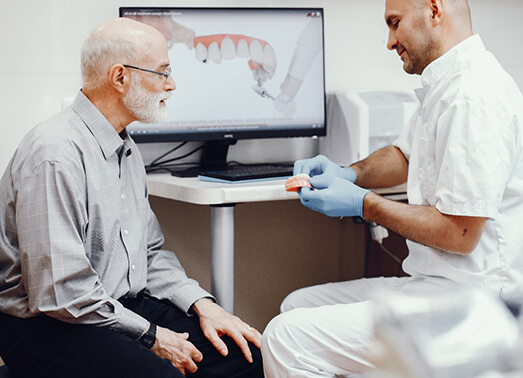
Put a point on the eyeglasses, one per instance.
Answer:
(164, 74)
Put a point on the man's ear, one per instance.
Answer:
(119, 77)
(436, 9)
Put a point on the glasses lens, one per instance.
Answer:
(167, 74)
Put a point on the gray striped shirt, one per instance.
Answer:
(76, 229)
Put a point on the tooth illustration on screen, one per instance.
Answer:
(218, 47)
(260, 55)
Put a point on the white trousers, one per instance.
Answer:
(327, 330)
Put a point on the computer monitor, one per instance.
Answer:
(240, 73)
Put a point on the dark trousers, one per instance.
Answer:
(45, 347)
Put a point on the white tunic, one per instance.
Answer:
(464, 149)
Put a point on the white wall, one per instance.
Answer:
(40, 43)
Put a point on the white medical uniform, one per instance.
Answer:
(464, 147)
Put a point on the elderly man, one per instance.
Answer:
(461, 156)
(85, 288)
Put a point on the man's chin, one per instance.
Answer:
(157, 118)
(408, 69)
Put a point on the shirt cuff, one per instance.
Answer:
(131, 324)
(191, 293)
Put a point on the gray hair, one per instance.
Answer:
(100, 53)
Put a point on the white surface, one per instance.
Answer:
(192, 190)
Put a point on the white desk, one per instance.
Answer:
(222, 198)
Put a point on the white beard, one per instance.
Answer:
(145, 105)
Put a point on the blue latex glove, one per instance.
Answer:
(334, 196)
(322, 166)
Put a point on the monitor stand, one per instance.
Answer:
(214, 157)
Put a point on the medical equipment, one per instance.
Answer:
(363, 122)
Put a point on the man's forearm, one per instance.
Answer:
(384, 168)
(425, 224)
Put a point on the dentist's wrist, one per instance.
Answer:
(349, 174)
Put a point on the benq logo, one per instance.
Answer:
(229, 136)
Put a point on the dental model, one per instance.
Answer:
(216, 47)
(294, 183)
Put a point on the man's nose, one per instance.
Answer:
(392, 43)
(170, 85)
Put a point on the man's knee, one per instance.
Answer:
(305, 341)
(299, 299)
(280, 343)
(275, 333)
(294, 300)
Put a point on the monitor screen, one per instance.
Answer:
(239, 73)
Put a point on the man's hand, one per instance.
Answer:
(175, 347)
(216, 322)
(334, 196)
(322, 166)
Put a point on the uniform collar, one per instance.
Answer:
(448, 62)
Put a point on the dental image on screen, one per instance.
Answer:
(240, 69)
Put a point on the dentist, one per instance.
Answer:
(461, 156)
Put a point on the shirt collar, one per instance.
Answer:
(446, 63)
(104, 133)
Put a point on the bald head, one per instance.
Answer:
(461, 15)
(456, 13)
(119, 40)
(423, 30)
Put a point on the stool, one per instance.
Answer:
(4, 372)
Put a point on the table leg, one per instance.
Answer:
(222, 255)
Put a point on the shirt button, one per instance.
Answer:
(126, 232)
(133, 267)
(123, 196)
